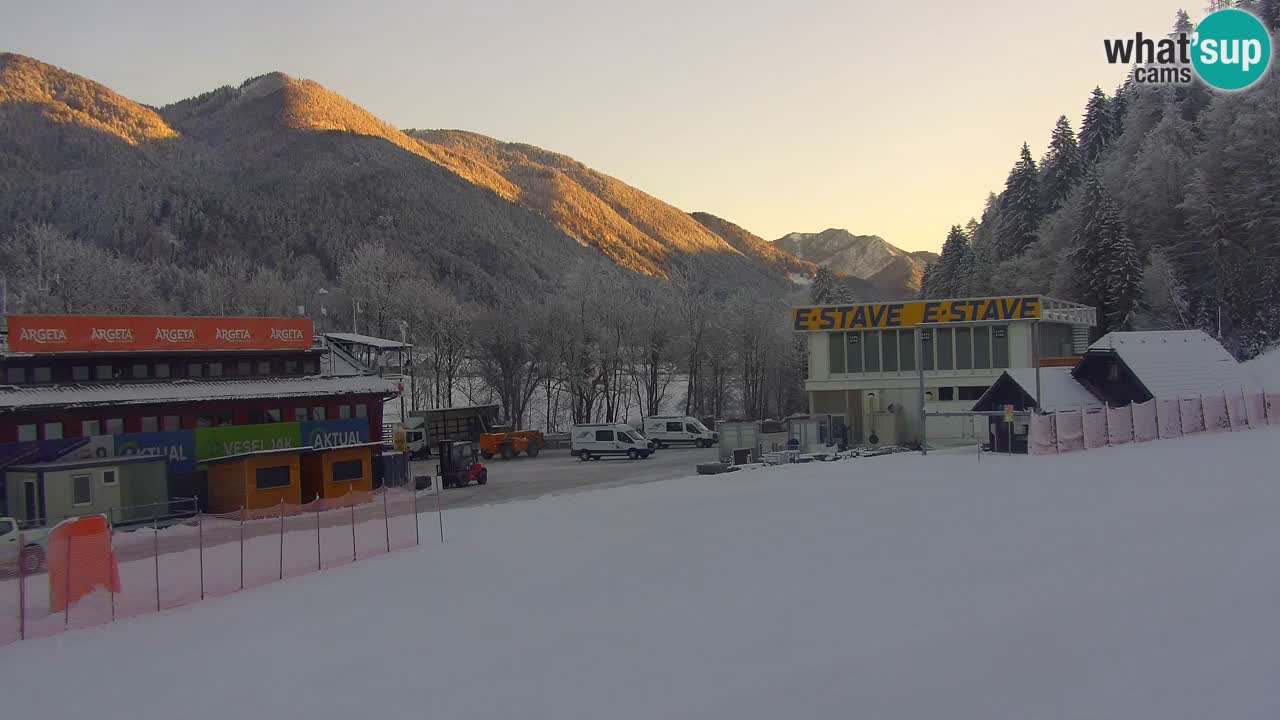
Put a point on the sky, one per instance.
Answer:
(886, 118)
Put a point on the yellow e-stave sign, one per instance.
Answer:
(871, 316)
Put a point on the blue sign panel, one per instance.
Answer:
(335, 433)
(179, 448)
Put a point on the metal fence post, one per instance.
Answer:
(155, 526)
(200, 539)
(439, 482)
(241, 547)
(354, 556)
(386, 519)
(22, 588)
(319, 562)
(417, 539)
(281, 538)
(66, 586)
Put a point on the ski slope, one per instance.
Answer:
(1132, 582)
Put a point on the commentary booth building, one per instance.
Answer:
(864, 374)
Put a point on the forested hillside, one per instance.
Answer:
(1163, 211)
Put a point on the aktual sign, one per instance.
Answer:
(177, 448)
(90, 333)
(335, 433)
(873, 316)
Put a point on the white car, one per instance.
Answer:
(25, 544)
(593, 441)
(678, 429)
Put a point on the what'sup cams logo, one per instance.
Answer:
(1229, 50)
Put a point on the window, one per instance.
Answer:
(53, 431)
(972, 392)
(162, 370)
(215, 369)
(42, 374)
(80, 372)
(674, 427)
(195, 370)
(344, 412)
(855, 352)
(89, 428)
(906, 350)
(150, 424)
(273, 477)
(223, 420)
(317, 413)
(102, 372)
(172, 423)
(889, 350)
(264, 367)
(964, 348)
(348, 470)
(945, 340)
(300, 414)
(291, 367)
(604, 436)
(139, 371)
(982, 347)
(6, 526)
(871, 347)
(688, 427)
(313, 366)
(625, 438)
(274, 415)
(243, 368)
(28, 433)
(362, 411)
(15, 375)
(108, 477)
(835, 352)
(1113, 372)
(81, 489)
(926, 348)
(115, 426)
(1000, 346)
(946, 394)
(204, 421)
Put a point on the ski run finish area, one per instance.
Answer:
(1133, 582)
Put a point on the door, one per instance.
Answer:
(839, 430)
(29, 500)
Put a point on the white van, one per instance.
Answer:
(589, 442)
(676, 429)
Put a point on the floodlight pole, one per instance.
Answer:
(924, 421)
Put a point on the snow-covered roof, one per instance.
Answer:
(376, 342)
(1061, 391)
(90, 395)
(1171, 363)
(1265, 369)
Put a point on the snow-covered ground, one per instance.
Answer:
(1131, 582)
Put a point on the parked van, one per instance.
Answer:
(678, 429)
(592, 441)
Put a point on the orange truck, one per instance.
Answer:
(512, 443)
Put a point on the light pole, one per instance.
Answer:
(324, 312)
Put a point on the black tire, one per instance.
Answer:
(533, 450)
(484, 478)
(584, 455)
(644, 454)
(486, 456)
(698, 443)
(633, 454)
(32, 559)
(507, 451)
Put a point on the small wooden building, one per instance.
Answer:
(1017, 387)
(334, 472)
(256, 480)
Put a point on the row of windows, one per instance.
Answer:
(947, 394)
(280, 476)
(172, 423)
(164, 370)
(966, 348)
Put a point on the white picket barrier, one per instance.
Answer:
(1169, 418)
(1120, 425)
(1095, 428)
(1192, 410)
(1215, 413)
(1144, 422)
(1043, 434)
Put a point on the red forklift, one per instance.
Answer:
(459, 465)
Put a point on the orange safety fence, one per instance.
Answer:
(91, 573)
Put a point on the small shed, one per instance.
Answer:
(255, 480)
(126, 489)
(1059, 390)
(335, 471)
(1134, 367)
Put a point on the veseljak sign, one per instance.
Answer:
(92, 333)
